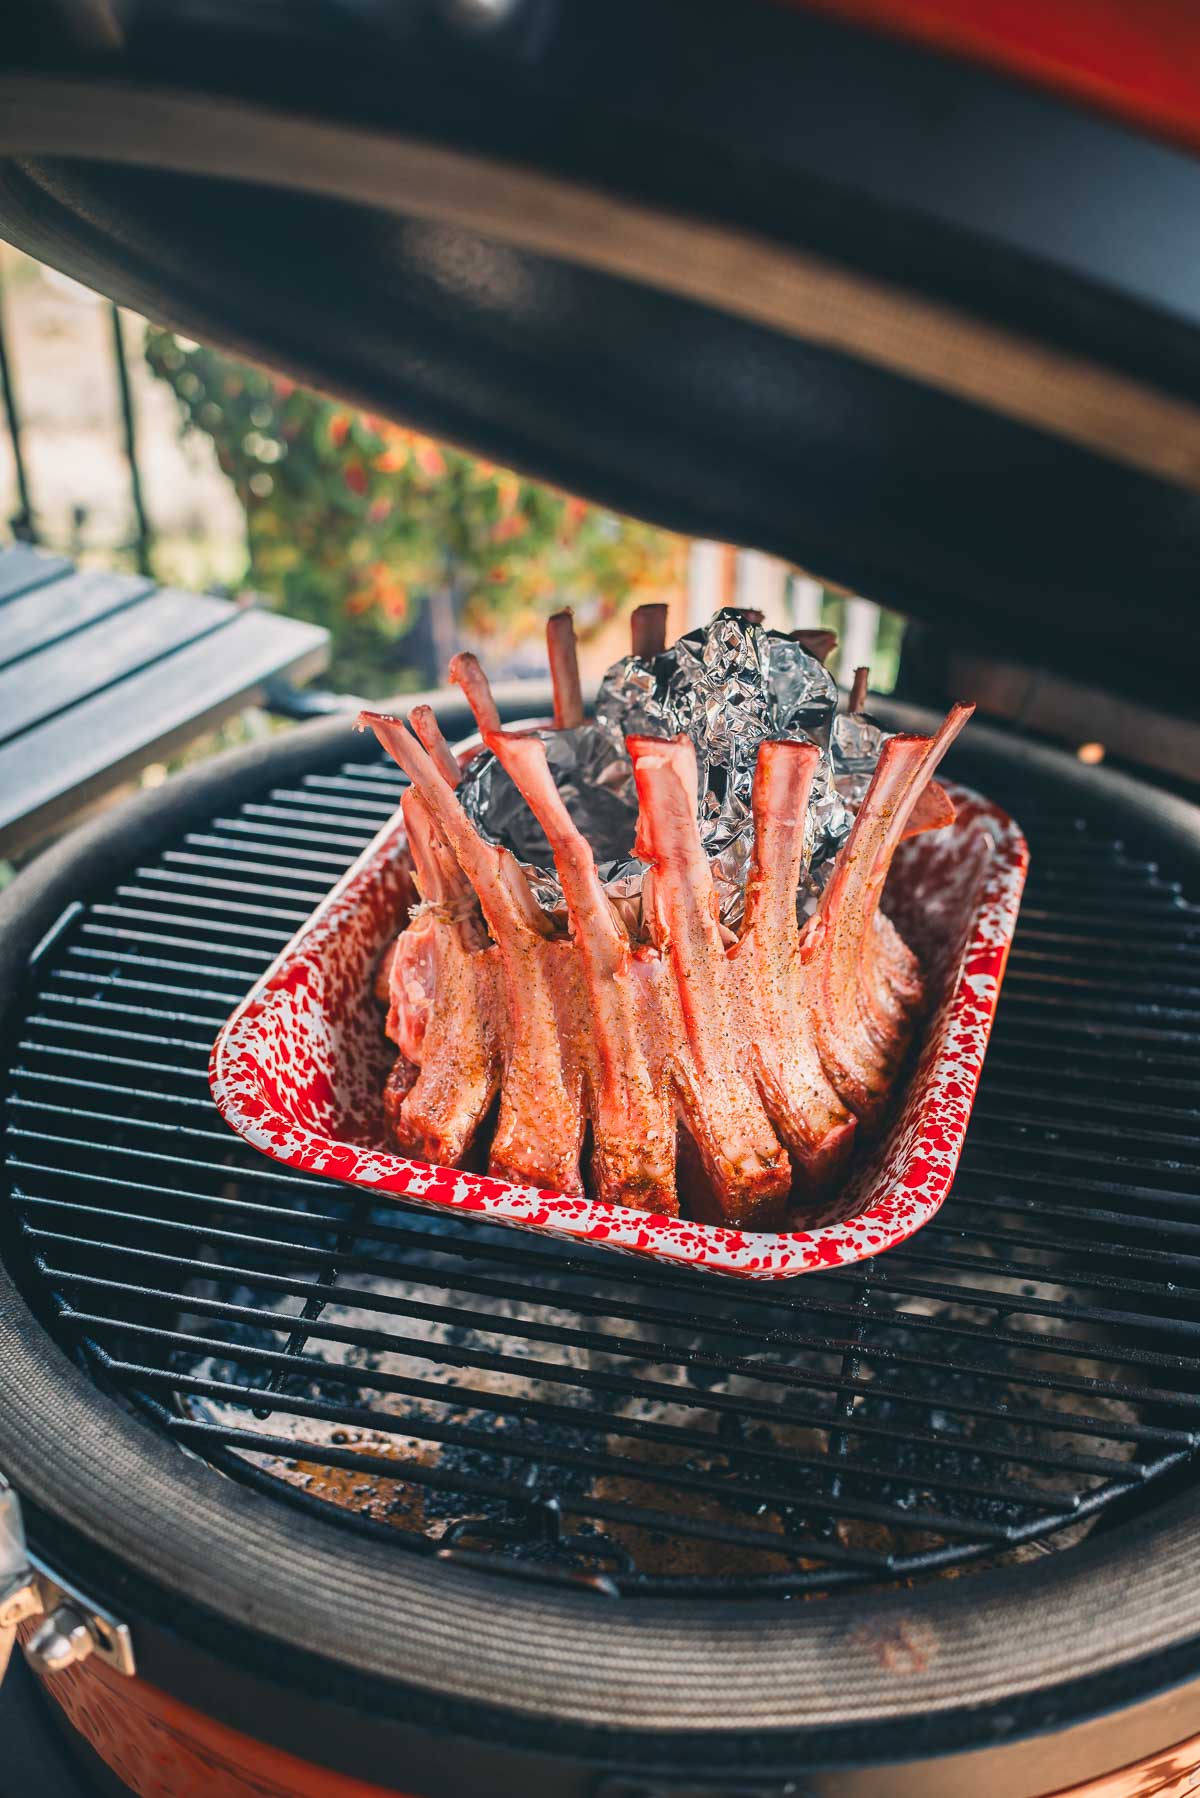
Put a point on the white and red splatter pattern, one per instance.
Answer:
(299, 1068)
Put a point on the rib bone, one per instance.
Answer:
(564, 671)
(465, 672)
(807, 1112)
(539, 1132)
(742, 1156)
(817, 643)
(443, 992)
(863, 980)
(633, 1123)
(648, 631)
(424, 721)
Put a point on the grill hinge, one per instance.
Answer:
(74, 1625)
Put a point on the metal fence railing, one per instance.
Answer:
(24, 522)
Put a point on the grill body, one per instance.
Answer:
(304, 1631)
(892, 201)
(310, 1635)
(160, 1748)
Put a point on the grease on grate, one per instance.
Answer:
(589, 1515)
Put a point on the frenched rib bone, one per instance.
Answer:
(648, 630)
(444, 1003)
(564, 671)
(820, 644)
(429, 732)
(807, 1110)
(747, 1069)
(863, 981)
(465, 672)
(539, 1131)
(745, 1164)
(633, 1123)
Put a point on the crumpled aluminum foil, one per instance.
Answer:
(594, 775)
(854, 745)
(729, 686)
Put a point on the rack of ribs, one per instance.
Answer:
(677, 1060)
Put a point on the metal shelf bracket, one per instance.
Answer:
(74, 1626)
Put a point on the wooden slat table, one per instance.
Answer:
(102, 673)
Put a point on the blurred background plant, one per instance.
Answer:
(127, 446)
(401, 546)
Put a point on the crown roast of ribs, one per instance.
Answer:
(734, 1074)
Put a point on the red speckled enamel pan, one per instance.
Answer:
(299, 1068)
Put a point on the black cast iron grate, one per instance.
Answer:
(1027, 1363)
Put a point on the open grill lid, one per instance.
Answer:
(752, 273)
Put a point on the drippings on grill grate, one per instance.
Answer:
(1031, 1356)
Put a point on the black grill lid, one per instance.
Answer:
(734, 268)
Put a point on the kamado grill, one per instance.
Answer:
(327, 1496)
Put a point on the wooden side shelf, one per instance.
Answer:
(102, 673)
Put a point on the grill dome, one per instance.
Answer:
(742, 270)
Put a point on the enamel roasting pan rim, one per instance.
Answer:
(283, 1053)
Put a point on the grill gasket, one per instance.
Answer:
(290, 869)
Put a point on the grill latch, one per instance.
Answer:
(74, 1625)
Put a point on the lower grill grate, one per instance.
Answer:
(1026, 1363)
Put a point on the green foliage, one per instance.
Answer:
(393, 541)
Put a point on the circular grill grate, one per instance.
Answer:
(1000, 1380)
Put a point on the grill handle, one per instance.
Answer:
(74, 1627)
